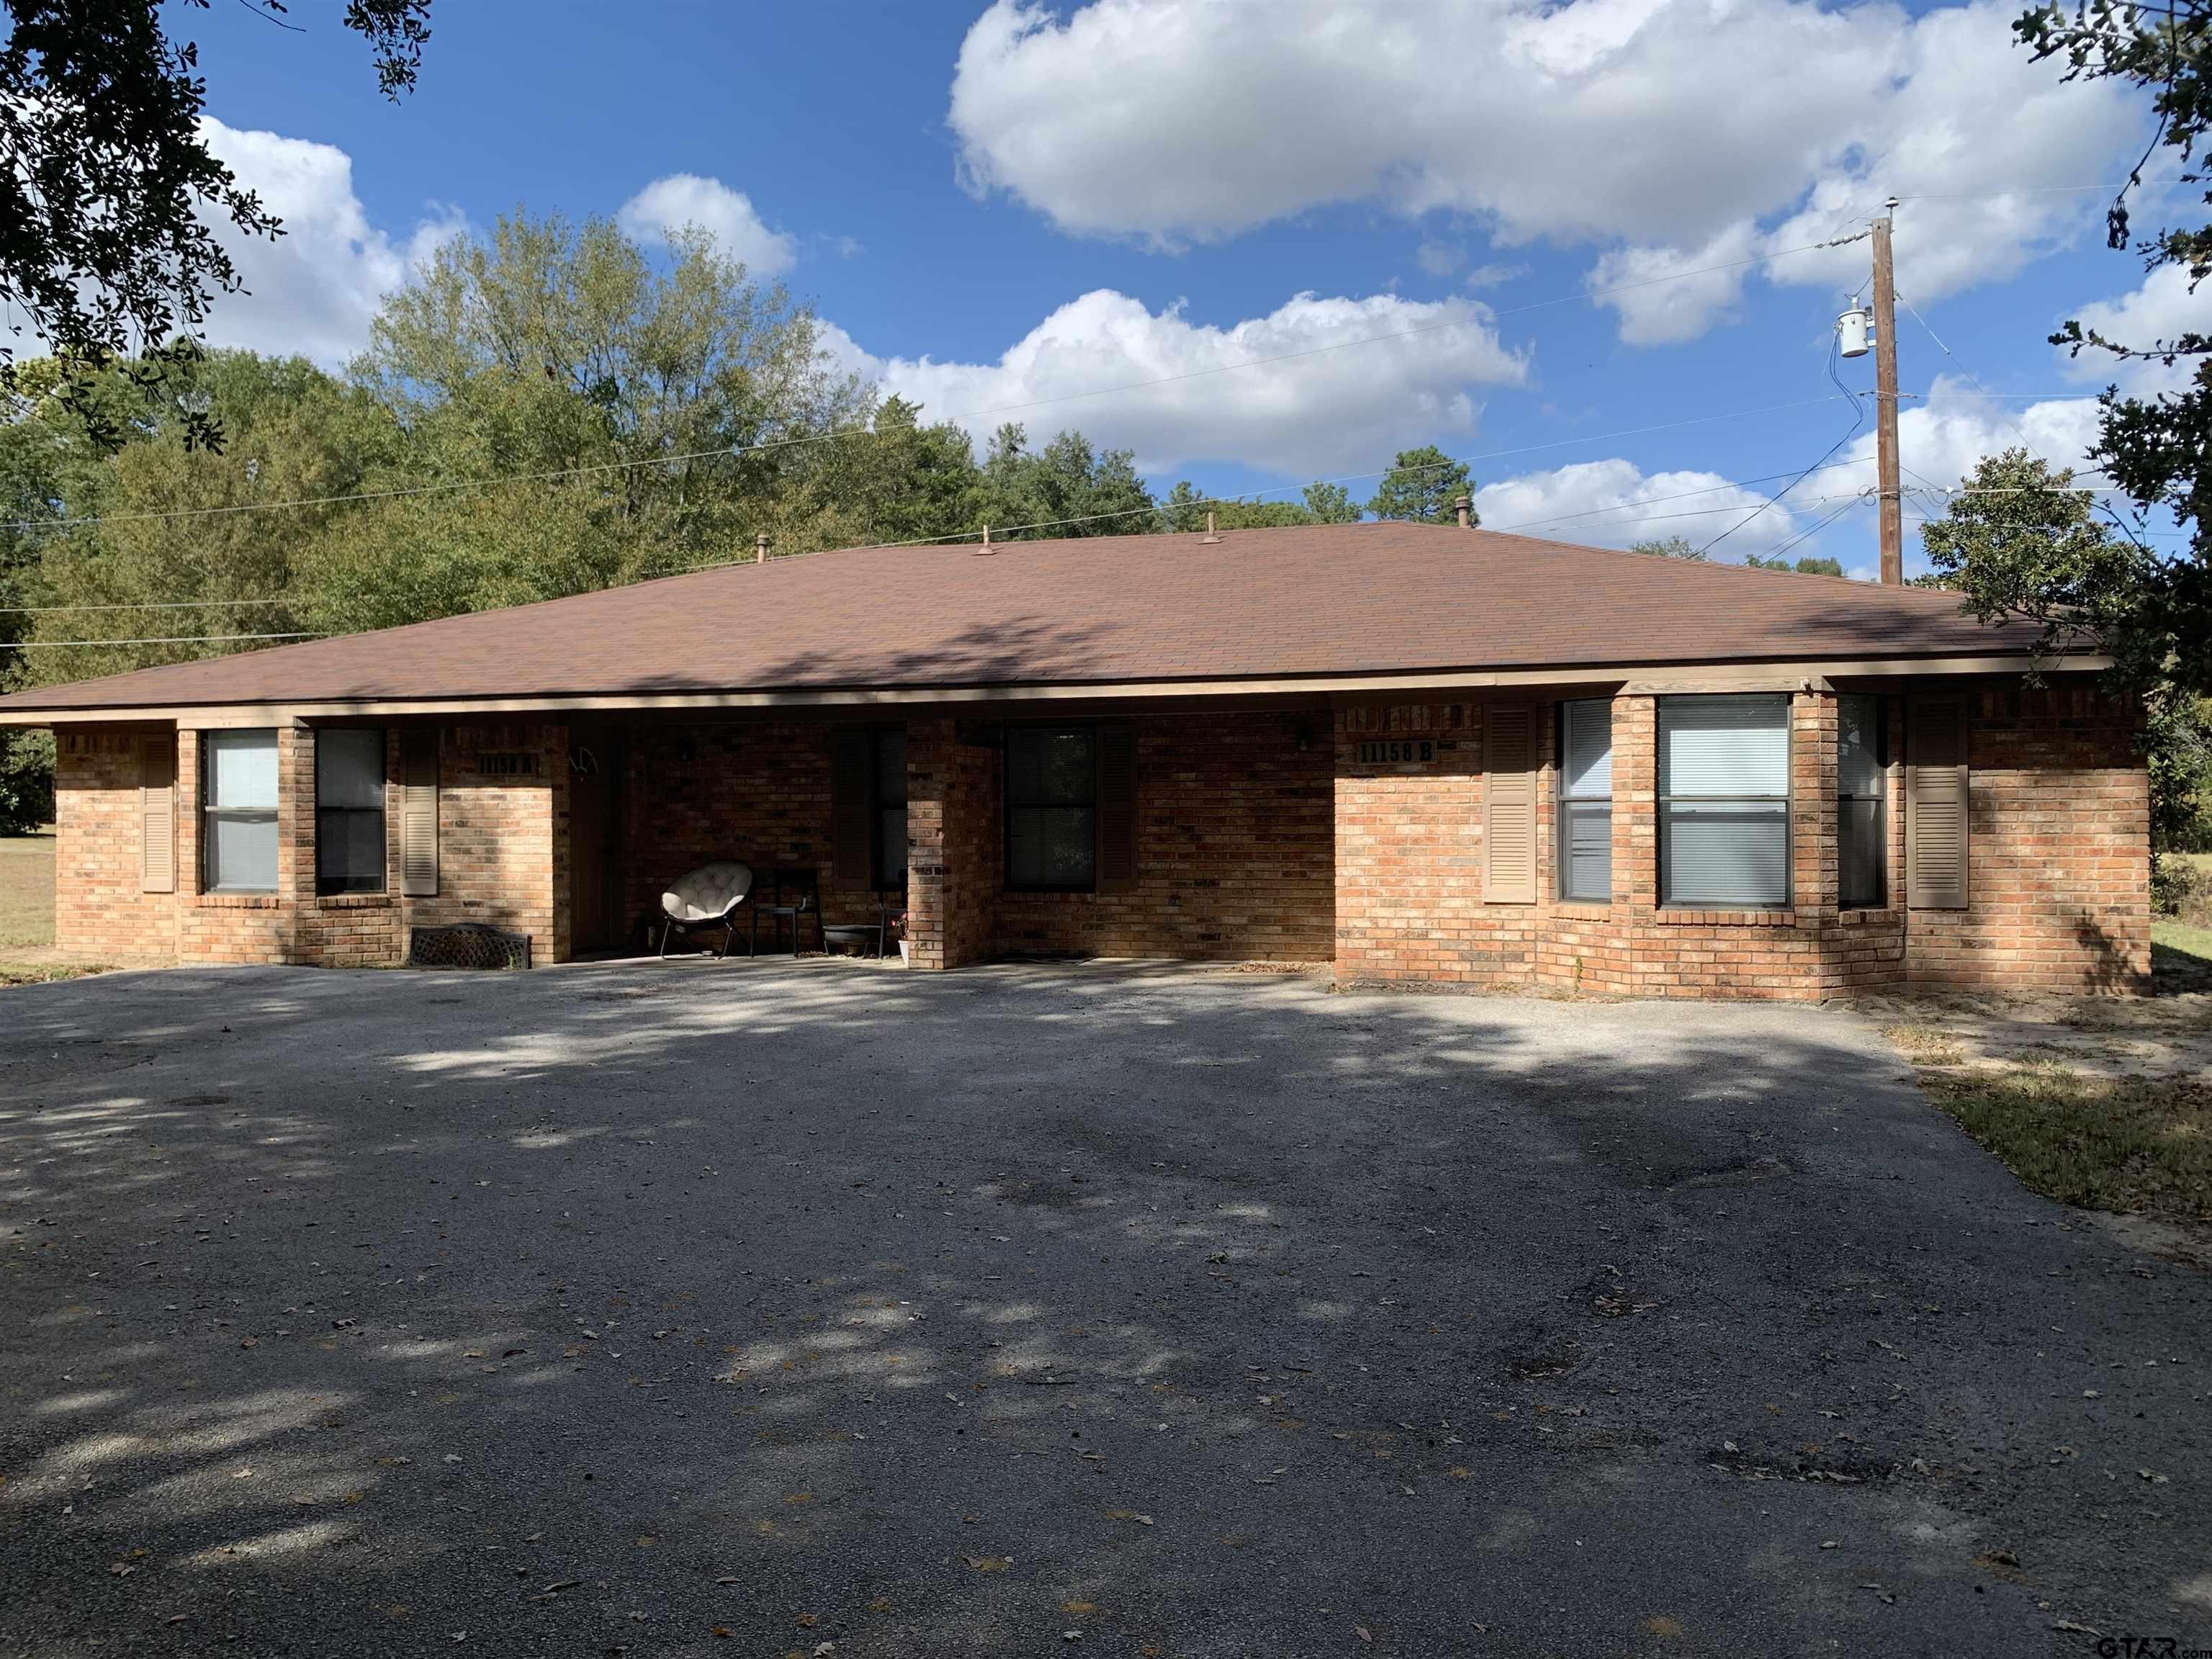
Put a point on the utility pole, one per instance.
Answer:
(1885, 403)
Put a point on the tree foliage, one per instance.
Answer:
(2154, 449)
(1421, 485)
(108, 191)
(1807, 565)
(1669, 547)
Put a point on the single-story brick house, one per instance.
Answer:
(1418, 752)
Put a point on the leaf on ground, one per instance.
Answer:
(987, 1563)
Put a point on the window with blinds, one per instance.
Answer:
(1724, 802)
(1586, 800)
(350, 810)
(239, 804)
(1862, 824)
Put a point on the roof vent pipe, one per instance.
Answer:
(986, 550)
(760, 547)
(1209, 535)
(1464, 506)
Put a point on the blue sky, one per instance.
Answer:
(995, 205)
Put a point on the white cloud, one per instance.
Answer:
(2161, 309)
(1613, 503)
(1657, 303)
(1661, 127)
(1492, 276)
(1440, 258)
(313, 291)
(1297, 416)
(666, 205)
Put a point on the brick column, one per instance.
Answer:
(953, 847)
(1636, 802)
(1815, 875)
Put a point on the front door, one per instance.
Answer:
(595, 902)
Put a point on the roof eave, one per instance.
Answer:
(1657, 675)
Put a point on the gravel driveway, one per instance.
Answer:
(684, 1307)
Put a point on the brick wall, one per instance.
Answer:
(98, 908)
(502, 836)
(1234, 859)
(1259, 835)
(2060, 867)
(2058, 863)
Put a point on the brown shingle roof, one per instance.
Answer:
(1320, 600)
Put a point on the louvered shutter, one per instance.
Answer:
(1117, 807)
(850, 807)
(157, 812)
(1936, 828)
(1509, 754)
(418, 813)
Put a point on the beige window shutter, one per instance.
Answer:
(1508, 827)
(418, 812)
(1936, 824)
(1116, 817)
(157, 812)
(851, 810)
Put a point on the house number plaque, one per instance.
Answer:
(1396, 751)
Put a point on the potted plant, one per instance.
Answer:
(896, 923)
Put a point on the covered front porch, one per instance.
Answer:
(1198, 835)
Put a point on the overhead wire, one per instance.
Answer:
(739, 451)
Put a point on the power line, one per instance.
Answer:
(152, 605)
(172, 639)
(740, 449)
(1228, 501)
(1858, 419)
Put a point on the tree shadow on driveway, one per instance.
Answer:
(606, 1306)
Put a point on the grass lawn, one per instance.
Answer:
(2126, 1144)
(2178, 949)
(27, 891)
(27, 910)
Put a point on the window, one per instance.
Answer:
(350, 810)
(1586, 801)
(1862, 825)
(1052, 804)
(1724, 802)
(239, 772)
(888, 860)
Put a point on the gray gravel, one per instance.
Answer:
(593, 1310)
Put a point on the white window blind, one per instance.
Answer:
(1586, 801)
(1724, 801)
(241, 810)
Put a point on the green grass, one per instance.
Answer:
(2180, 955)
(2128, 1144)
(26, 892)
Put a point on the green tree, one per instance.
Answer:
(1328, 503)
(2154, 450)
(2021, 541)
(109, 196)
(1669, 547)
(1807, 566)
(1422, 485)
(1068, 489)
(165, 529)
